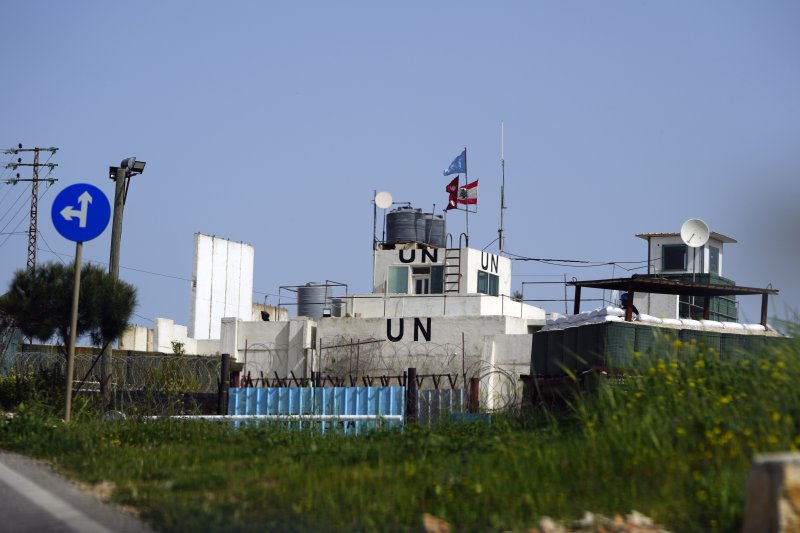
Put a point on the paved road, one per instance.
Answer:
(33, 498)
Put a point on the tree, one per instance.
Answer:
(40, 303)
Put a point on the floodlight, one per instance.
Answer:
(132, 166)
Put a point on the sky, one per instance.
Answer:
(273, 123)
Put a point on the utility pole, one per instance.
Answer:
(122, 176)
(32, 227)
(119, 177)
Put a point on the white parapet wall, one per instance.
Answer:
(166, 332)
(137, 338)
(222, 284)
(270, 347)
(439, 305)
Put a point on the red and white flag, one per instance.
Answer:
(468, 194)
(452, 191)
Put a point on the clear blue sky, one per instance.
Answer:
(273, 122)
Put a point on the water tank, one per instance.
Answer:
(420, 226)
(312, 298)
(403, 225)
(434, 230)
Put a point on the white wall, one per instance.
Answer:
(471, 261)
(276, 314)
(222, 284)
(166, 332)
(373, 306)
(413, 257)
(160, 337)
(697, 259)
(658, 305)
(476, 261)
(508, 357)
(432, 343)
(138, 338)
(269, 347)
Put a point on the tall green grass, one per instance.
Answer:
(674, 441)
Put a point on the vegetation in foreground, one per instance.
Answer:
(674, 442)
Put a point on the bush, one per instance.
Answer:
(687, 421)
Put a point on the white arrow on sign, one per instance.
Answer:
(68, 212)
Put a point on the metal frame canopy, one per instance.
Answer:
(658, 285)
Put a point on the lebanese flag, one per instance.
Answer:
(468, 194)
(452, 189)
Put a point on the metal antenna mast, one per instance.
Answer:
(32, 231)
(500, 237)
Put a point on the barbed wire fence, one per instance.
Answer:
(443, 364)
(143, 384)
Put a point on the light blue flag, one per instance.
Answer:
(459, 164)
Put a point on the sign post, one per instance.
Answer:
(80, 213)
(72, 327)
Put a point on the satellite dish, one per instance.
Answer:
(383, 200)
(694, 232)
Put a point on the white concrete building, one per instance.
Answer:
(441, 311)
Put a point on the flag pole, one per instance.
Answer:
(466, 182)
(502, 187)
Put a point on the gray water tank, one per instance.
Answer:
(312, 298)
(434, 230)
(404, 224)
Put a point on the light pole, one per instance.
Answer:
(122, 177)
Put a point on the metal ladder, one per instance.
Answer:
(452, 270)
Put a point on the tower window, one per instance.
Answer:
(488, 283)
(713, 260)
(397, 282)
(674, 257)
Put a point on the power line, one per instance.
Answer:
(144, 318)
(7, 211)
(578, 263)
(2, 198)
(51, 250)
(21, 220)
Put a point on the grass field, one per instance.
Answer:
(675, 443)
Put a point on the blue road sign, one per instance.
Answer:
(80, 212)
